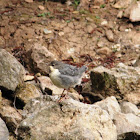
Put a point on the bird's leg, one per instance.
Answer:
(62, 96)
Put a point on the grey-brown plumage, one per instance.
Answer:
(65, 75)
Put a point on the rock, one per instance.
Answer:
(127, 123)
(122, 28)
(135, 37)
(96, 7)
(103, 42)
(111, 105)
(0, 97)
(132, 12)
(89, 19)
(137, 63)
(122, 4)
(4, 134)
(105, 51)
(122, 78)
(10, 115)
(11, 71)
(46, 119)
(111, 25)
(29, 1)
(104, 22)
(46, 31)
(41, 58)
(111, 0)
(124, 122)
(28, 78)
(27, 92)
(120, 14)
(41, 7)
(135, 12)
(133, 97)
(61, 33)
(89, 28)
(128, 107)
(68, 3)
(75, 95)
(98, 2)
(109, 35)
(119, 55)
(129, 136)
(84, 4)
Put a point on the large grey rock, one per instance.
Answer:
(128, 107)
(11, 71)
(116, 81)
(41, 58)
(111, 105)
(68, 120)
(4, 133)
(127, 123)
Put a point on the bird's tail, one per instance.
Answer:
(83, 69)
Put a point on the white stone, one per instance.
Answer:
(128, 107)
(135, 13)
(111, 105)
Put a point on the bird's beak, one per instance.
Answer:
(51, 69)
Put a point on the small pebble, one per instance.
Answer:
(46, 31)
(41, 7)
(29, 1)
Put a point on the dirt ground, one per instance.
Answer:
(94, 36)
(68, 33)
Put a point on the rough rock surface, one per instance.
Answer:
(4, 134)
(68, 120)
(128, 107)
(132, 12)
(109, 35)
(121, 79)
(27, 92)
(41, 57)
(104, 51)
(137, 63)
(111, 105)
(135, 13)
(11, 71)
(10, 115)
(124, 122)
(133, 97)
(127, 123)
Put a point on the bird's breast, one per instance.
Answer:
(54, 76)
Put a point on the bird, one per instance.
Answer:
(64, 75)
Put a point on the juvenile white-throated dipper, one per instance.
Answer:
(64, 75)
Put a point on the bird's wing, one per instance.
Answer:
(67, 81)
(69, 70)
